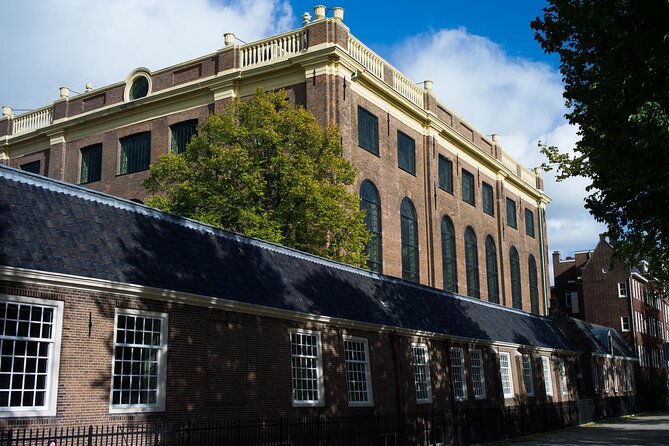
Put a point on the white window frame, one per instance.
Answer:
(458, 371)
(367, 372)
(548, 377)
(528, 377)
(319, 368)
(53, 361)
(506, 370)
(563, 378)
(605, 375)
(622, 289)
(159, 406)
(616, 386)
(622, 323)
(425, 366)
(478, 373)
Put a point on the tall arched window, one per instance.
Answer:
(516, 294)
(370, 202)
(448, 259)
(409, 226)
(491, 270)
(472, 264)
(534, 287)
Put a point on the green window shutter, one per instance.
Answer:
(516, 293)
(409, 235)
(468, 187)
(491, 270)
(135, 153)
(406, 153)
(371, 204)
(182, 134)
(448, 256)
(529, 222)
(534, 287)
(91, 164)
(472, 264)
(368, 131)
(488, 199)
(511, 213)
(445, 174)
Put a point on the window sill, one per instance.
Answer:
(136, 409)
(376, 154)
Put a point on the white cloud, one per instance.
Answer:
(68, 43)
(519, 99)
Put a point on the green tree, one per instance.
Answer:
(615, 65)
(266, 169)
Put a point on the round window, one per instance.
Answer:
(139, 88)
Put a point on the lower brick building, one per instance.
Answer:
(113, 312)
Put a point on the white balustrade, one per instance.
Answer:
(34, 120)
(271, 50)
(407, 88)
(365, 56)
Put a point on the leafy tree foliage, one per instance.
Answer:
(615, 65)
(266, 169)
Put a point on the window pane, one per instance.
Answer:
(182, 134)
(371, 204)
(529, 222)
(91, 163)
(139, 88)
(368, 131)
(472, 264)
(491, 270)
(406, 152)
(534, 286)
(135, 153)
(516, 295)
(421, 373)
(305, 359)
(357, 371)
(478, 376)
(458, 374)
(33, 167)
(468, 187)
(488, 200)
(409, 234)
(528, 379)
(511, 213)
(445, 174)
(448, 256)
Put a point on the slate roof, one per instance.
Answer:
(596, 338)
(56, 227)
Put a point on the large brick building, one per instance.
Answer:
(591, 287)
(474, 218)
(115, 313)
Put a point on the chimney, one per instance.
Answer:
(7, 111)
(338, 13)
(229, 39)
(428, 85)
(88, 86)
(306, 17)
(64, 92)
(495, 138)
(319, 12)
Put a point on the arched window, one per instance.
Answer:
(534, 287)
(370, 202)
(448, 259)
(472, 264)
(409, 226)
(491, 270)
(514, 263)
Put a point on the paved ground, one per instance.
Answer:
(647, 430)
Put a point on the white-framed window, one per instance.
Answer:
(358, 375)
(548, 379)
(595, 375)
(528, 379)
(29, 355)
(622, 289)
(458, 374)
(421, 373)
(625, 323)
(506, 373)
(478, 375)
(563, 378)
(139, 362)
(605, 377)
(307, 367)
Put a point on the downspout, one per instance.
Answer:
(542, 254)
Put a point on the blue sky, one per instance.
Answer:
(481, 55)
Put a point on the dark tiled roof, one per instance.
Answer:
(596, 339)
(51, 226)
